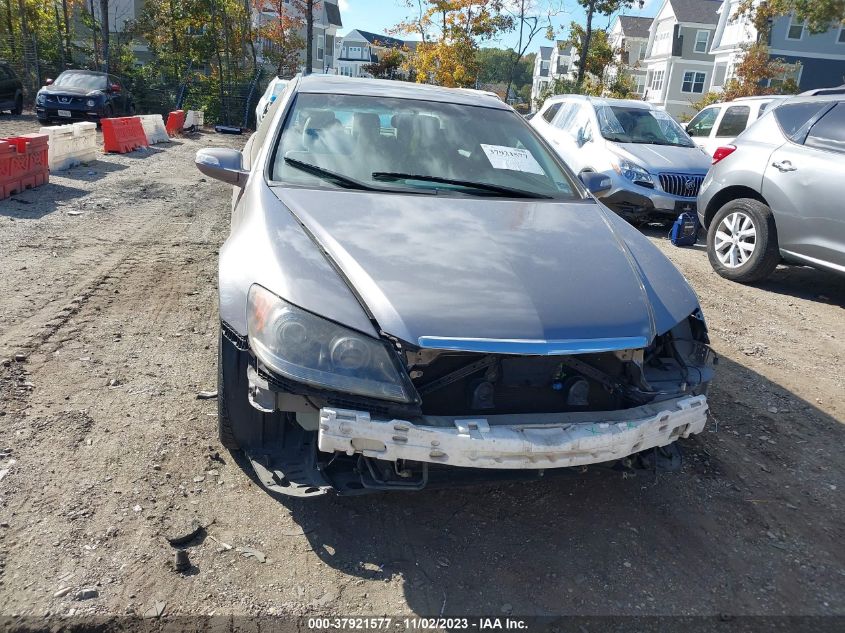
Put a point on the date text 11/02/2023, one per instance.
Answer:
(416, 624)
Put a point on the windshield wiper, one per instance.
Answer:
(483, 186)
(339, 179)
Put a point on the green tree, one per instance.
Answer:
(389, 64)
(594, 8)
(819, 14)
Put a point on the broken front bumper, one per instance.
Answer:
(557, 441)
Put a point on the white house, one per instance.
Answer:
(629, 35)
(679, 66)
(551, 63)
(358, 48)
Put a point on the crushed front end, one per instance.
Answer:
(477, 415)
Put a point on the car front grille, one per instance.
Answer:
(63, 101)
(681, 185)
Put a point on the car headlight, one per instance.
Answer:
(304, 347)
(40, 99)
(632, 171)
(90, 103)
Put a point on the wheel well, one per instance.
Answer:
(726, 195)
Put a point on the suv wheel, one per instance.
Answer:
(18, 109)
(742, 242)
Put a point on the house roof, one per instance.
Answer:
(545, 53)
(635, 26)
(333, 14)
(381, 40)
(697, 11)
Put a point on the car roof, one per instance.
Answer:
(632, 103)
(816, 98)
(73, 71)
(758, 98)
(338, 84)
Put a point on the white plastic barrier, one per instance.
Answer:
(194, 118)
(154, 128)
(71, 145)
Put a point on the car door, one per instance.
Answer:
(701, 128)
(564, 139)
(803, 185)
(119, 98)
(7, 88)
(733, 122)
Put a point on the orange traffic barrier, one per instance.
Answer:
(23, 163)
(123, 134)
(175, 122)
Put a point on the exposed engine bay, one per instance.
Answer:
(459, 384)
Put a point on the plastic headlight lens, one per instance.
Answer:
(632, 171)
(304, 347)
(40, 99)
(90, 103)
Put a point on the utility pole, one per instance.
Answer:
(309, 36)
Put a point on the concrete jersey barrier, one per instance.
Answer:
(154, 128)
(71, 145)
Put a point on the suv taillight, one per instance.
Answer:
(723, 152)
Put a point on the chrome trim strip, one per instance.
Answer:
(533, 347)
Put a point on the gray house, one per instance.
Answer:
(678, 62)
(814, 61)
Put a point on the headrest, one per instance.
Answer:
(316, 119)
(366, 123)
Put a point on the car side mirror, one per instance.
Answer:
(48, 82)
(224, 164)
(595, 183)
(583, 137)
(114, 88)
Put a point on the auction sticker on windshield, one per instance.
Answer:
(512, 158)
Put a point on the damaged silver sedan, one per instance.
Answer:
(417, 291)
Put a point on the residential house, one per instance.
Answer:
(629, 35)
(551, 63)
(358, 48)
(326, 20)
(678, 62)
(814, 61)
(540, 76)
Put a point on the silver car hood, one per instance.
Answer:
(665, 158)
(480, 269)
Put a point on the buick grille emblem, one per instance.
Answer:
(64, 99)
(689, 183)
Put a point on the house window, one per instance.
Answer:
(321, 45)
(641, 53)
(796, 29)
(720, 71)
(657, 80)
(693, 82)
(544, 65)
(640, 85)
(841, 38)
(702, 39)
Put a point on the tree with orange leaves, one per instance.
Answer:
(280, 34)
(451, 31)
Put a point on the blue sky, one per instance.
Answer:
(380, 15)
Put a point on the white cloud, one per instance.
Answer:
(343, 4)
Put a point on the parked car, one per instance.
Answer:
(83, 95)
(427, 293)
(274, 89)
(837, 90)
(654, 167)
(776, 193)
(720, 123)
(11, 90)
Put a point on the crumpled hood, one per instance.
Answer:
(481, 268)
(665, 158)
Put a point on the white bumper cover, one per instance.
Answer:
(576, 440)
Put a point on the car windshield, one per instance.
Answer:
(88, 81)
(377, 143)
(640, 125)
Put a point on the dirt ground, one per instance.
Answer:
(106, 448)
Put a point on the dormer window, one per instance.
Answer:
(796, 29)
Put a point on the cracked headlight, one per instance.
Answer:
(301, 346)
(632, 172)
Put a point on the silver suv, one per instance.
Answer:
(654, 166)
(776, 193)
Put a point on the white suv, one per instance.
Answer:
(720, 123)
